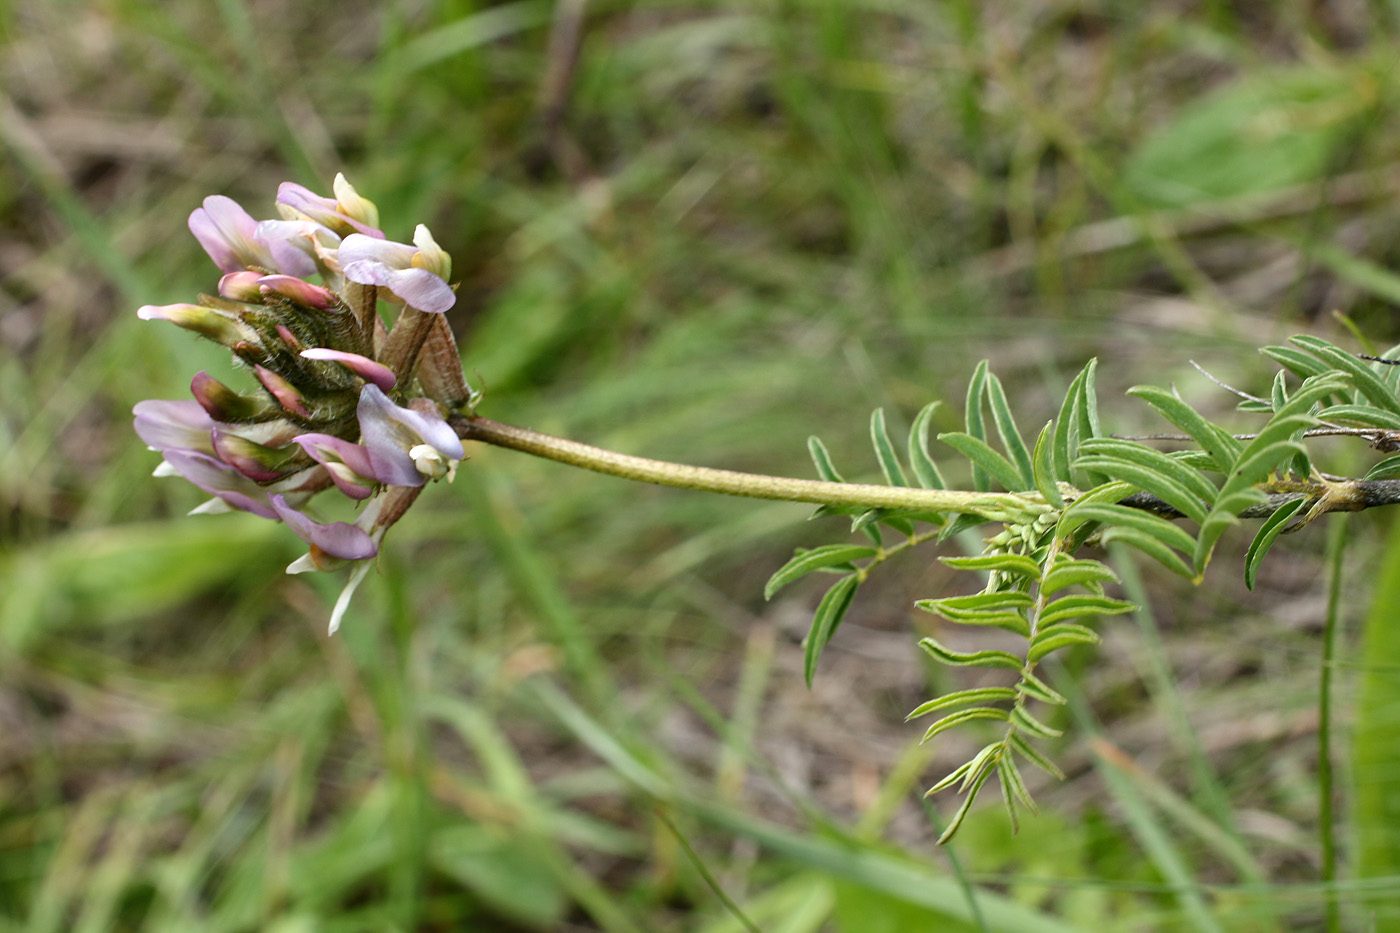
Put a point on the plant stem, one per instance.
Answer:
(730, 482)
(1345, 495)
(1327, 832)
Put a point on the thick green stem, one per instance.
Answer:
(732, 483)
(1348, 495)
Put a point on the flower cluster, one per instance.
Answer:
(344, 401)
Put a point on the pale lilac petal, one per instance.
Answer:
(209, 237)
(362, 366)
(418, 288)
(322, 210)
(289, 258)
(298, 290)
(356, 247)
(179, 424)
(339, 455)
(389, 431)
(220, 479)
(241, 286)
(386, 439)
(225, 230)
(338, 539)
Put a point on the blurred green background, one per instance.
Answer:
(698, 231)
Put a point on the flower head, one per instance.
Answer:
(340, 402)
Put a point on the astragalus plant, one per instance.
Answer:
(340, 398)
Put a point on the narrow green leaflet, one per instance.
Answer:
(1295, 361)
(1074, 572)
(1389, 468)
(987, 658)
(884, 450)
(1161, 485)
(965, 715)
(1011, 776)
(822, 458)
(1008, 799)
(1010, 435)
(1365, 380)
(1066, 439)
(1006, 599)
(1363, 415)
(1279, 393)
(1074, 607)
(986, 461)
(1273, 445)
(969, 796)
(1027, 751)
(1060, 636)
(1264, 539)
(1015, 564)
(1222, 448)
(978, 695)
(925, 470)
(1182, 474)
(1032, 725)
(1043, 468)
(1120, 516)
(830, 611)
(972, 417)
(1152, 547)
(1037, 689)
(832, 555)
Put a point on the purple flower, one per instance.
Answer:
(354, 214)
(324, 363)
(362, 366)
(232, 240)
(338, 539)
(405, 447)
(164, 425)
(398, 268)
(348, 464)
